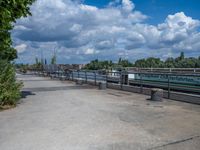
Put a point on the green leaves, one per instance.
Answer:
(151, 62)
(9, 88)
(10, 11)
(179, 62)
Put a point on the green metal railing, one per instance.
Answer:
(186, 83)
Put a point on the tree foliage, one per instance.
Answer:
(179, 62)
(124, 63)
(53, 59)
(9, 88)
(97, 65)
(10, 11)
(151, 62)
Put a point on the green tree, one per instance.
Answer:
(10, 11)
(9, 88)
(99, 65)
(169, 63)
(119, 61)
(150, 62)
(182, 56)
(140, 63)
(38, 64)
(124, 63)
(53, 60)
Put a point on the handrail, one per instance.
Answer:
(167, 81)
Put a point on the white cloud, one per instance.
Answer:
(21, 48)
(177, 28)
(89, 31)
(179, 21)
(88, 8)
(127, 5)
(89, 51)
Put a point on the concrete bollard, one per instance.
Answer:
(53, 76)
(79, 81)
(156, 94)
(102, 85)
(62, 78)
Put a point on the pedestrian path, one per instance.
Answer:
(60, 115)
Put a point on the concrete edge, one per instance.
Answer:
(183, 97)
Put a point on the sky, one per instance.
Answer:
(79, 31)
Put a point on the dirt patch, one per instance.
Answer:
(5, 107)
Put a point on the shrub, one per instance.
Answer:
(23, 69)
(9, 87)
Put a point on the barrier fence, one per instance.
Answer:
(183, 83)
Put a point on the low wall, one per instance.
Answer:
(189, 98)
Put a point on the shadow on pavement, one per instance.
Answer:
(48, 89)
(26, 93)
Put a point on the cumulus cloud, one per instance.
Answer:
(127, 5)
(89, 51)
(21, 48)
(84, 32)
(177, 28)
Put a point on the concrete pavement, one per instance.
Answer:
(55, 115)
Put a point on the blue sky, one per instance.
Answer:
(83, 30)
(164, 7)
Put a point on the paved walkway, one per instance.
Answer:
(55, 115)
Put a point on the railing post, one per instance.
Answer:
(72, 76)
(128, 78)
(67, 74)
(121, 79)
(85, 76)
(59, 72)
(78, 73)
(168, 76)
(95, 78)
(106, 79)
(141, 86)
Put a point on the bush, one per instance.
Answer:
(23, 69)
(9, 87)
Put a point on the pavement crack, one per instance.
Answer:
(175, 142)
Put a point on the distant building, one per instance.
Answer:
(71, 66)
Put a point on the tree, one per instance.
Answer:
(38, 64)
(150, 62)
(169, 63)
(36, 60)
(53, 60)
(182, 56)
(124, 63)
(119, 61)
(99, 65)
(140, 63)
(10, 11)
(9, 88)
